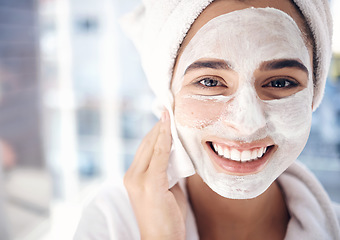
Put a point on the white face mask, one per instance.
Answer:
(241, 123)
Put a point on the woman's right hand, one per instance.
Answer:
(160, 211)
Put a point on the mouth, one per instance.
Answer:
(240, 161)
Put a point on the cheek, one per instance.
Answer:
(290, 118)
(195, 113)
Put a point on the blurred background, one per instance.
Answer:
(74, 106)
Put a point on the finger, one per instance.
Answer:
(180, 198)
(149, 141)
(144, 152)
(161, 153)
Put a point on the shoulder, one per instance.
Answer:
(108, 216)
(311, 209)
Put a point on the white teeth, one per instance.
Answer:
(254, 154)
(220, 150)
(215, 147)
(236, 155)
(226, 153)
(260, 152)
(245, 156)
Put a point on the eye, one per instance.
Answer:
(281, 83)
(209, 82)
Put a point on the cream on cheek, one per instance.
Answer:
(241, 39)
(195, 112)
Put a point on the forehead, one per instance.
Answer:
(220, 7)
(239, 36)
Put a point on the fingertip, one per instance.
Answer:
(165, 123)
(165, 116)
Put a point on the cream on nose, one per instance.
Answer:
(244, 112)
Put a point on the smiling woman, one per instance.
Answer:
(239, 88)
(242, 116)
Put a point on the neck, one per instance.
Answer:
(264, 217)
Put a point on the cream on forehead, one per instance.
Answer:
(245, 39)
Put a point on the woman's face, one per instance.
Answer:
(243, 97)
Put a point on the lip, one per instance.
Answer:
(232, 167)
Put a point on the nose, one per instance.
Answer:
(244, 113)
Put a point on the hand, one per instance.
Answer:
(160, 212)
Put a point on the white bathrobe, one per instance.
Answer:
(313, 216)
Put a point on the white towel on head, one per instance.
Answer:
(158, 28)
(319, 19)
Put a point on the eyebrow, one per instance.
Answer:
(283, 63)
(213, 64)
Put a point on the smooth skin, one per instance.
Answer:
(161, 212)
